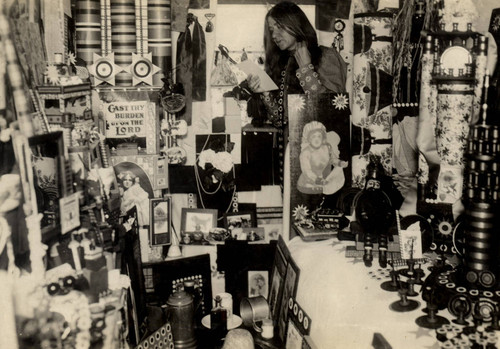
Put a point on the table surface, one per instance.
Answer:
(346, 304)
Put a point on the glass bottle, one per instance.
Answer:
(218, 318)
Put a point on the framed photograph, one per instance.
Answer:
(196, 223)
(275, 288)
(135, 189)
(242, 219)
(258, 283)
(278, 274)
(289, 290)
(160, 221)
(47, 159)
(320, 151)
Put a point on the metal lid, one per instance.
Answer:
(179, 299)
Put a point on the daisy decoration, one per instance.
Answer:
(340, 101)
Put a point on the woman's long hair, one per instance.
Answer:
(289, 16)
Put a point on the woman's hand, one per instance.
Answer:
(253, 83)
(302, 54)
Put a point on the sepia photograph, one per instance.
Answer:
(335, 161)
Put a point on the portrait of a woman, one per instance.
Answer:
(135, 190)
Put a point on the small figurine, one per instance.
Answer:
(375, 214)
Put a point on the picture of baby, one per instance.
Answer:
(321, 168)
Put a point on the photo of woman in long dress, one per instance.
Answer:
(135, 190)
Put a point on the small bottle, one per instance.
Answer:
(218, 319)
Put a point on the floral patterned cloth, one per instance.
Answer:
(371, 91)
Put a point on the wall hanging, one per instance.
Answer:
(319, 152)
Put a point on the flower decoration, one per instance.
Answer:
(206, 156)
(71, 59)
(216, 163)
(340, 101)
(495, 25)
(52, 74)
(296, 102)
(302, 217)
(300, 212)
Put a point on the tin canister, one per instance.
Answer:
(180, 313)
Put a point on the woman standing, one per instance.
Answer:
(295, 61)
(297, 64)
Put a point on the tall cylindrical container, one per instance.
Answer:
(88, 29)
(123, 37)
(159, 37)
(454, 110)
(180, 313)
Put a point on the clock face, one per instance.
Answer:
(455, 57)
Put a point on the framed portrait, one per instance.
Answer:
(278, 273)
(140, 178)
(135, 189)
(258, 283)
(49, 176)
(160, 221)
(196, 223)
(290, 284)
(320, 153)
(241, 219)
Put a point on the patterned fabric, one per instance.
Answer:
(429, 159)
(372, 91)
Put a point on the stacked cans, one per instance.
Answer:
(482, 188)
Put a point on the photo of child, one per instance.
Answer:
(320, 164)
(258, 283)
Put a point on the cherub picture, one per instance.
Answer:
(322, 169)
